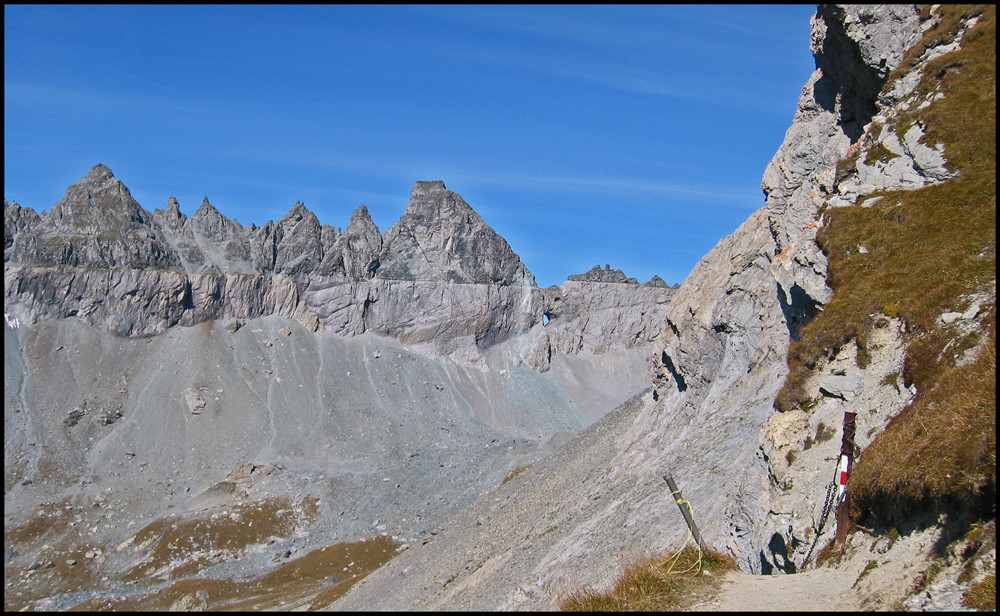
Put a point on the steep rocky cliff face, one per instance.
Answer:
(573, 521)
(101, 257)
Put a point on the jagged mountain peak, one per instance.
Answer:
(98, 224)
(362, 223)
(361, 215)
(431, 201)
(98, 197)
(174, 208)
(299, 212)
(596, 274)
(440, 237)
(99, 172)
(423, 187)
(207, 210)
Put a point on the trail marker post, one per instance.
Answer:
(843, 471)
(685, 508)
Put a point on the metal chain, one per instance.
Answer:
(831, 496)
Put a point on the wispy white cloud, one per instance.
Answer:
(86, 100)
(648, 188)
(150, 82)
(616, 27)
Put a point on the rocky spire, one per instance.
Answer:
(96, 224)
(292, 246)
(441, 238)
(355, 253)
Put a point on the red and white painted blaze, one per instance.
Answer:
(843, 467)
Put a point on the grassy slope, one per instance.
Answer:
(928, 250)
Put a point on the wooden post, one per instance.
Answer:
(847, 447)
(685, 508)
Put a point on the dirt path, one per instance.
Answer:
(826, 590)
(874, 574)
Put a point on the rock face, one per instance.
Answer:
(573, 521)
(855, 48)
(441, 238)
(441, 278)
(97, 224)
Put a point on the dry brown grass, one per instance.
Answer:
(183, 546)
(514, 473)
(982, 596)
(942, 448)
(667, 583)
(926, 249)
(317, 579)
(65, 566)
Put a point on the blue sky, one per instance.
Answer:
(634, 136)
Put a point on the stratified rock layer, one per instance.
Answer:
(441, 278)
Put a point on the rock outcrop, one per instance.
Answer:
(441, 278)
(441, 238)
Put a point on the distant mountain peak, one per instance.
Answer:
(98, 224)
(440, 237)
(421, 188)
(596, 274)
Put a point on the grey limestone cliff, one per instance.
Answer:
(440, 237)
(575, 520)
(440, 278)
